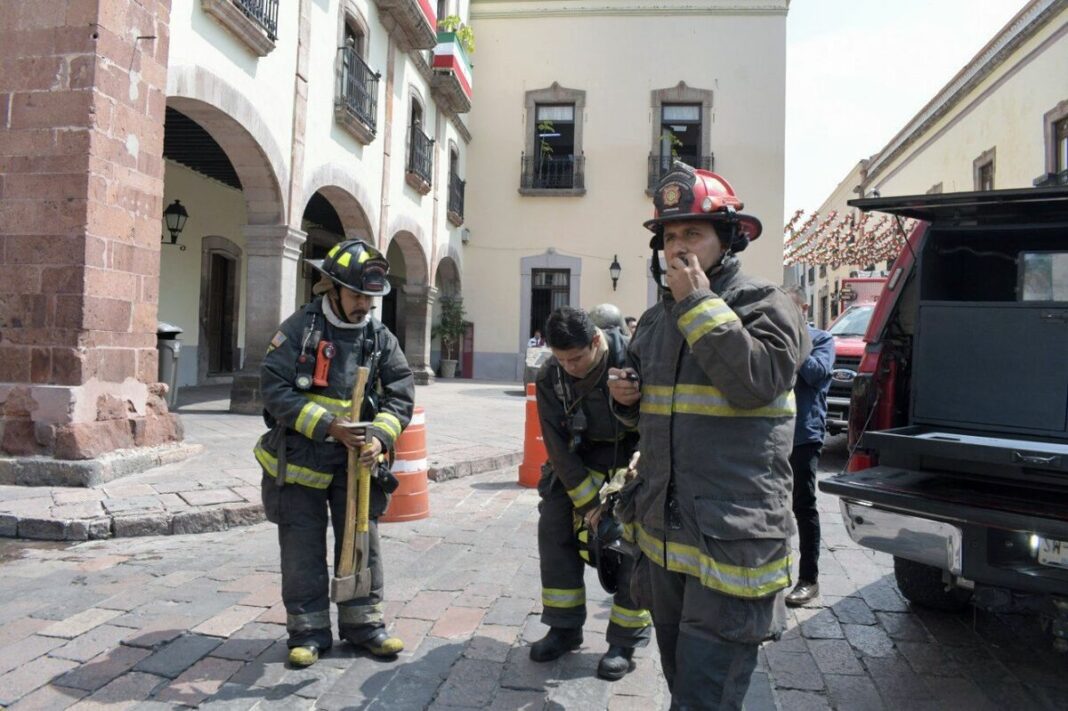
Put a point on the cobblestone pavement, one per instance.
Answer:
(159, 622)
(471, 427)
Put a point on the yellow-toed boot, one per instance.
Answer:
(383, 644)
(303, 656)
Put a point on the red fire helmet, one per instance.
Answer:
(686, 193)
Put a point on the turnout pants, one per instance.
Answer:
(302, 515)
(804, 460)
(708, 641)
(563, 590)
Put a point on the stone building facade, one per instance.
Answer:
(281, 127)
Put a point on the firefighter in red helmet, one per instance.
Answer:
(716, 361)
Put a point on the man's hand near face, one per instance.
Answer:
(685, 275)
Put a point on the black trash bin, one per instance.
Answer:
(168, 346)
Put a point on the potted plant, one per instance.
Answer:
(450, 331)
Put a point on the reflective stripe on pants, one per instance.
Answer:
(305, 575)
(563, 574)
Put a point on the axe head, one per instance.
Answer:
(344, 589)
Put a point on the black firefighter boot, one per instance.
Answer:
(616, 662)
(558, 642)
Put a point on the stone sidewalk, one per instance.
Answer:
(162, 623)
(472, 427)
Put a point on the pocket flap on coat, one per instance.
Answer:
(740, 519)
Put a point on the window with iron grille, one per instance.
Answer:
(680, 139)
(456, 190)
(357, 83)
(550, 289)
(553, 164)
(420, 151)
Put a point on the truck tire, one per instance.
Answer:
(922, 585)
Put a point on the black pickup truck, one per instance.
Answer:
(958, 424)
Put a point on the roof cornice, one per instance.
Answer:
(507, 9)
(1020, 28)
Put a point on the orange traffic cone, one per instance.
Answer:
(411, 500)
(534, 454)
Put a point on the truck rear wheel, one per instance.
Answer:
(923, 585)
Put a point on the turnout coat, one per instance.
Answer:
(716, 417)
(306, 415)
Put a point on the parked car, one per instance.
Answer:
(848, 331)
(959, 416)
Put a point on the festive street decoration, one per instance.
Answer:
(838, 240)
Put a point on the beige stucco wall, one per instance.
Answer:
(618, 57)
(1004, 112)
(214, 209)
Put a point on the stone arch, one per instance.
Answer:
(234, 123)
(447, 278)
(409, 237)
(350, 198)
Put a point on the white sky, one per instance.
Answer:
(858, 70)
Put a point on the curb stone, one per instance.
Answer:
(204, 519)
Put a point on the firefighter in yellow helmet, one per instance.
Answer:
(715, 363)
(306, 381)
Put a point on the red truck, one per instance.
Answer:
(859, 296)
(958, 429)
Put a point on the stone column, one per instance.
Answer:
(418, 305)
(273, 253)
(81, 139)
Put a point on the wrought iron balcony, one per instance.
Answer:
(254, 22)
(659, 165)
(552, 172)
(357, 93)
(263, 12)
(452, 82)
(456, 199)
(420, 159)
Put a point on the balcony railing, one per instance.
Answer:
(358, 88)
(549, 172)
(659, 165)
(456, 199)
(263, 12)
(421, 155)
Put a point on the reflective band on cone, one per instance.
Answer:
(411, 500)
(534, 454)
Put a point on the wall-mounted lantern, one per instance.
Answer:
(614, 269)
(175, 216)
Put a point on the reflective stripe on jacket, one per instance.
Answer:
(716, 419)
(308, 414)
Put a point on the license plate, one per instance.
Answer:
(1053, 553)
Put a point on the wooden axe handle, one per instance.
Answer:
(347, 564)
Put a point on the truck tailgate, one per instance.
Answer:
(996, 504)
